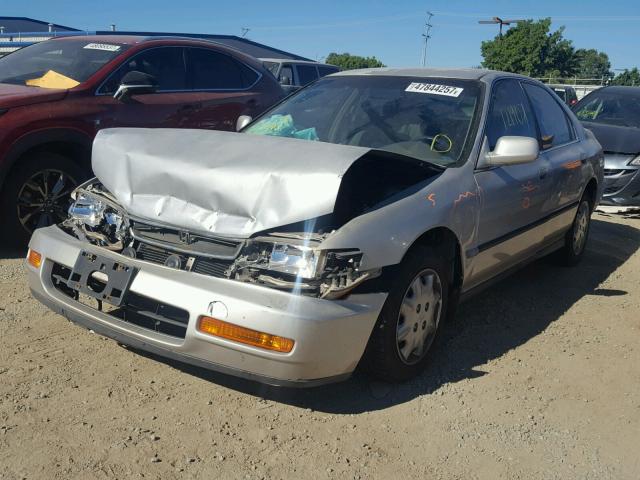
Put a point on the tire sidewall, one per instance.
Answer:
(383, 355)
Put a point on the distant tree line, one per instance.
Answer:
(530, 48)
(346, 61)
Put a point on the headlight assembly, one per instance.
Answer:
(87, 209)
(635, 162)
(301, 261)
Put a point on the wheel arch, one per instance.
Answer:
(74, 144)
(591, 191)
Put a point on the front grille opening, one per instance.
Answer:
(202, 265)
(136, 309)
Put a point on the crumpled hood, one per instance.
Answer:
(223, 183)
(18, 95)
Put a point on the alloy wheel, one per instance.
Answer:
(581, 228)
(44, 198)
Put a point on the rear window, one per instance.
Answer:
(210, 70)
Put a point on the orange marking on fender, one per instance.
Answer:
(529, 187)
(432, 198)
(462, 196)
(526, 202)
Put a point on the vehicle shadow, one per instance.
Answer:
(487, 326)
(7, 252)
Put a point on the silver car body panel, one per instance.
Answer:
(500, 217)
(222, 183)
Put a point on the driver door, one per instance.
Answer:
(170, 106)
(512, 197)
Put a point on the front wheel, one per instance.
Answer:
(36, 194)
(410, 319)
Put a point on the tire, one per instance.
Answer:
(390, 355)
(36, 194)
(575, 240)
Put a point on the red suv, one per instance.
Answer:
(56, 95)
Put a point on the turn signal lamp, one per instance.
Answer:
(34, 258)
(229, 331)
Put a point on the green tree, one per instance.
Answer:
(592, 64)
(628, 77)
(346, 61)
(530, 48)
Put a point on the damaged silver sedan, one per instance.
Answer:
(339, 229)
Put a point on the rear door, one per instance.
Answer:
(560, 148)
(224, 89)
(512, 197)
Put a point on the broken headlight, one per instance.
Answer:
(298, 260)
(87, 209)
(95, 218)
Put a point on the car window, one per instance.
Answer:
(286, 72)
(306, 74)
(165, 64)
(271, 66)
(211, 70)
(509, 114)
(610, 108)
(553, 122)
(323, 71)
(561, 92)
(430, 119)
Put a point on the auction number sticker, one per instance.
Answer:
(102, 46)
(434, 89)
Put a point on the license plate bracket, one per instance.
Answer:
(102, 278)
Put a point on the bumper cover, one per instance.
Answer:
(330, 336)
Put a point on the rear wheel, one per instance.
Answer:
(409, 321)
(575, 241)
(36, 194)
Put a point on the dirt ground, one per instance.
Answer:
(538, 377)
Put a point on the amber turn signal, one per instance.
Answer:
(34, 258)
(229, 331)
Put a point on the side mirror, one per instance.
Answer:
(284, 80)
(243, 121)
(135, 83)
(513, 151)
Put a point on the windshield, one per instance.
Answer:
(58, 63)
(429, 119)
(610, 108)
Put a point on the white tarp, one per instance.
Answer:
(224, 183)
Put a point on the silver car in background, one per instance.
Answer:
(341, 228)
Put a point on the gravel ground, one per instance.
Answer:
(538, 377)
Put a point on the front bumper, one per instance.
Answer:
(330, 336)
(621, 181)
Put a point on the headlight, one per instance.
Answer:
(87, 209)
(298, 260)
(635, 162)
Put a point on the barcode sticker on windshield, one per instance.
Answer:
(102, 46)
(434, 89)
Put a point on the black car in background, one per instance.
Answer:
(613, 115)
(567, 94)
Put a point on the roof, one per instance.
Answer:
(30, 25)
(121, 39)
(245, 45)
(460, 73)
(310, 62)
(621, 90)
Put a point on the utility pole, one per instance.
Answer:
(427, 36)
(244, 30)
(499, 21)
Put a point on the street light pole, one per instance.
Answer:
(427, 36)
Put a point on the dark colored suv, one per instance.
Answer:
(56, 95)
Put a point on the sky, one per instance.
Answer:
(390, 30)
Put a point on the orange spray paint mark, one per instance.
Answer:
(526, 202)
(462, 196)
(432, 198)
(572, 165)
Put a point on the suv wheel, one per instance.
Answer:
(408, 323)
(36, 194)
